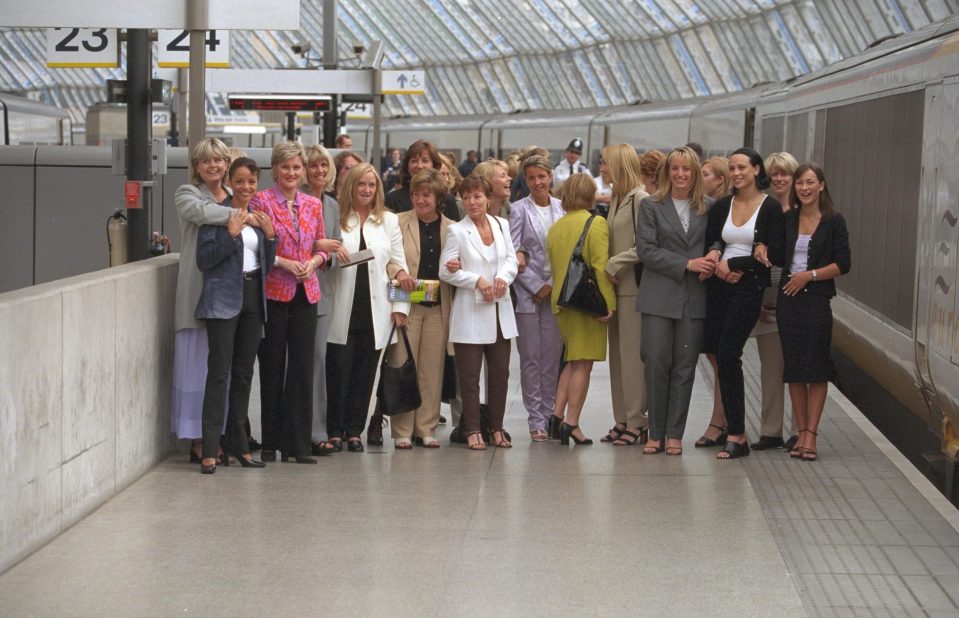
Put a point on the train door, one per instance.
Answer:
(936, 322)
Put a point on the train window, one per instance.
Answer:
(873, 157)
(772, 136)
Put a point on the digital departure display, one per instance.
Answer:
(280, 103)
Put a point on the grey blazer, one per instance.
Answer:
(195, 206)
(667, 287)
(331, 229)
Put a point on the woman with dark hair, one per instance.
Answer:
(424, 231)
(235, 260)
(482, 320)
(735, 293)
(421, 155)
(816, 252)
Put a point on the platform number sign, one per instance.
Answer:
(82, 47)
(174, 48)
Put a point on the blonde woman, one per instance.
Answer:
(716, 181)
(320, 182)
(620, 168)
(780, 166)
(362, 314)
(672, 295)
(205, 201)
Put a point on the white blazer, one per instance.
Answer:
(472, 320)
(386, 243)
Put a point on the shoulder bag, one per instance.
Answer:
(398, 390)
(638, 266)
(580, 291)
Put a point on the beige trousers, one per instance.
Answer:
(771, 375)
(428, 339)
(627, 379)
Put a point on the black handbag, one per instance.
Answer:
(398, 390)
(580, 291)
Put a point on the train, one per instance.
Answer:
(882, 123)
(28, 122)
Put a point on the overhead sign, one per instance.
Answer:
(403, 82)
(174, 49)
(279, 102)
(221, 14)
(290, 81)
(82, 47)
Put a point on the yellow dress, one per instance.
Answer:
(585, 336)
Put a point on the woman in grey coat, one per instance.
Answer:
(672, 295)
(205, 201)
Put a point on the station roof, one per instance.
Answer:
(494, 56)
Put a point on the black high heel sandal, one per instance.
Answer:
(248, 463)
(566, 432)
(553, 427)
(735, 450)
(207, 468)
(720, 440)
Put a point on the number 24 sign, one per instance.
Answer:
(82, 47)
(173, 47)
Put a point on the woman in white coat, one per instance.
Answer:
(361, 311)
(482, 321)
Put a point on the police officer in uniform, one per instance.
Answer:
(571, 164)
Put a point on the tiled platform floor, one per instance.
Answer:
(538, 530)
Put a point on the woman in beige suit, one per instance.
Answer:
(424, 232)
(620, 167)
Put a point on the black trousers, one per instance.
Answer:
(350, 371)
(731, 312)
(286, 375)
(233, 344)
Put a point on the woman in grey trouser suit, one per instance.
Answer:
(670, 242)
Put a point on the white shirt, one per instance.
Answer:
(251, 249)
(682, 209)
(800, 261)
(564, 170)
(739, 239)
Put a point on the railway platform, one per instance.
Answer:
(536, 530)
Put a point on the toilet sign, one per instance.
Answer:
(403, 82)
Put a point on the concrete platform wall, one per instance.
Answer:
(85, 387)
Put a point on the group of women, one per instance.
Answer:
(298, 275)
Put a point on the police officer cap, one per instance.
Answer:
(576, 146)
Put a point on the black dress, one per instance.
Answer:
(805, 320)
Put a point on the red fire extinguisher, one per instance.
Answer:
(117, 237)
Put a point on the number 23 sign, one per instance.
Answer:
(82, 47)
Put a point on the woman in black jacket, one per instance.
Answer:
(816, 251)
(235, 260)
(734, 295)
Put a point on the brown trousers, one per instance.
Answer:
(469, 362)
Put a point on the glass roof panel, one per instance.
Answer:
(488, 56)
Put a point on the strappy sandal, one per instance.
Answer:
(651, 449)
(734, 450)
(675, 450)
(614, 434)
(476, 446)
(539, 435)
(627, 438)
(430, 442)
(402, 444)
(502, 442)
(707, 442)
(796, 452)
(806, 453)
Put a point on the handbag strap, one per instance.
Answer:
(406, 340)
(578, 250)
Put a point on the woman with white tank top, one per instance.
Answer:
(734, 294)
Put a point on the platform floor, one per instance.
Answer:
(538, 530)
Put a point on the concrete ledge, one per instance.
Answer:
(85, 390)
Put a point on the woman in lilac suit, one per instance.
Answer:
(540, 342)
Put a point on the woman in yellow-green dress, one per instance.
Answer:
(583, 334)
